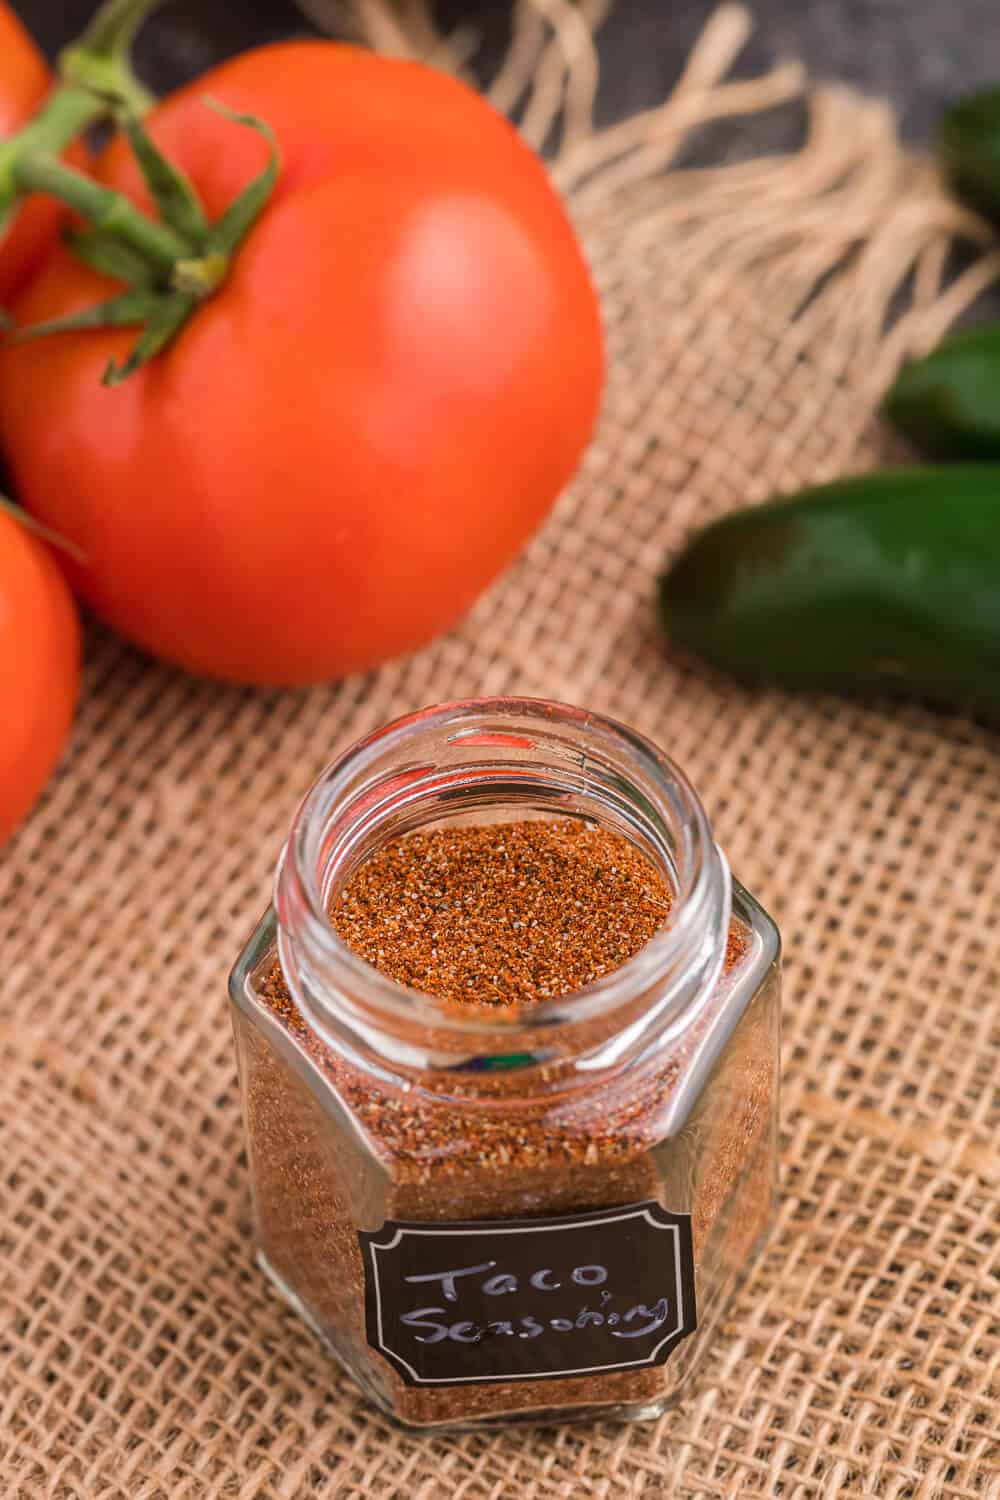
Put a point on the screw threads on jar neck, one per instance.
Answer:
(498, 760)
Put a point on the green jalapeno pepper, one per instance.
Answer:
(948, 404)
(880, 582)
(969, 149)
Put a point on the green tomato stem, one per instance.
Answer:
(105, 209)
(112, 30)
(92, 70)
(106, 79)
(99, 61)
(66, 113)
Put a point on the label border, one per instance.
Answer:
(679, 1225)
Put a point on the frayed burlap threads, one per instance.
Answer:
(754, 315)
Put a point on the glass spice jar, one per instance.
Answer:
(525, 1212)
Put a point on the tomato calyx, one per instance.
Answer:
(169, 265)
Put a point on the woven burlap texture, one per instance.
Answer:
(144, 1355)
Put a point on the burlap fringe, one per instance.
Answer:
(851, 211)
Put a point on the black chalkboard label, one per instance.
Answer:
(462, 1303)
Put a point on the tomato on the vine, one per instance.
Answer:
(39, 668)
(24, 82)
(362, 427)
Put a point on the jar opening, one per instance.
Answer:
(499, 760)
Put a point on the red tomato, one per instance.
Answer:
(24, 82)
(39, 668)
(361, 429)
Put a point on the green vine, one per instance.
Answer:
(91, 71)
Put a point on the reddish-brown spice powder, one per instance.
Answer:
(500, 916)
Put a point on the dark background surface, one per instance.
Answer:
(918, 53)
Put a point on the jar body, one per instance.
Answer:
(558, 1221)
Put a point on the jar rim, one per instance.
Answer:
(701, 898)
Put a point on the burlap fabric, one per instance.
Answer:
(748, 315)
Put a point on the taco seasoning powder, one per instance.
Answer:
(511, 1115)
